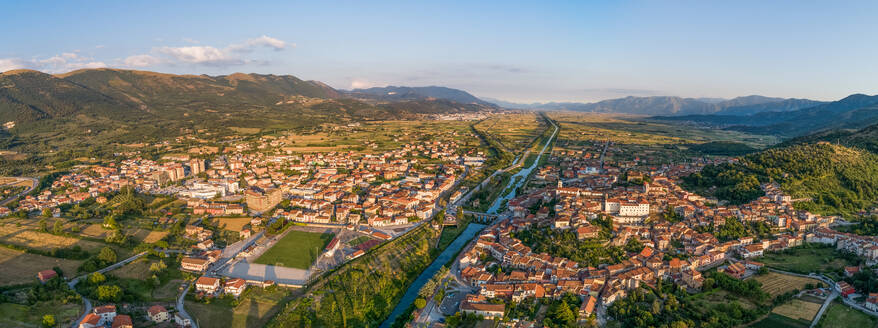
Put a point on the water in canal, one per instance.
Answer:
(412, 293)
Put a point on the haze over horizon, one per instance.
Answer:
(545, 52)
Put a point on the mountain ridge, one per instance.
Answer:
(673, 105)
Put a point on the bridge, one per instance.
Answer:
(482, 217)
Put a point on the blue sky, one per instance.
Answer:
(517, 51)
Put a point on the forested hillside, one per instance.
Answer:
(837, 179)
(92, 113)
(866, 138)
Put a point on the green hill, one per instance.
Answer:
(838, 179)
(92, 112)
(865, 138)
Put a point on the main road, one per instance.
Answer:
(33, 185)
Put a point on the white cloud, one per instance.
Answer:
(8, 64)
(141, 61)
(212, 56)
(204, 55)
(358, 83)
(64, 62)
(262, 41)
(231, 55)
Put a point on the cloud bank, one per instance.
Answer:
(65, 62)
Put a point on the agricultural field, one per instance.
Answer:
(298, 249)
(18, 267)
(633, 138)
(233, 224)
(806, 260)
(632, 129)
(10, 234)
(841, 316)
(148, 236)
(378, 136)
(515, 132)
(798, 310)
(777, 283)
(143, 235)
(255, 310)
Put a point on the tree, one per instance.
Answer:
(107, 255)
(109, 293)
(157, 266)
(43, 225)
(47, 212)
(420, 303)
(58, 227)
(110, 222)
(96, 278)
(48, 320)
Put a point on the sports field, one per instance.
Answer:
(298, 249)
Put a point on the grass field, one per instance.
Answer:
(798, 310)
(167, 292)
(777, 283)
(148, 236)
(842, 316)
(298, 249)
(136, 270)
(255, 310)
(233, 224)
(10, 234)
(774, 320)
(17, 315)
(805, 260)
(19, 267)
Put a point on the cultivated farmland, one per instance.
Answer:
(798, 310)
(777, 283)
(10, 234)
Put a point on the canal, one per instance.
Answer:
(412, 292)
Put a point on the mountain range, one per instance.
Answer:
(28, 96)
(852, 112)
(669, 105)
(394, 93)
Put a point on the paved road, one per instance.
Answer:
(33, 185)
(181, 309)
(72, 284)
(824, 307)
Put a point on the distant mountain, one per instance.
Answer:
(93, 108)
(738, 107)
(666, 105)
(394, 93)
(852, 112)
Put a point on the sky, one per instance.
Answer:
(536, 51)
